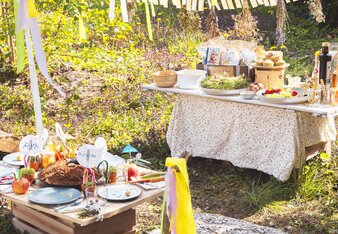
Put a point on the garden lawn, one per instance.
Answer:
(102, 78)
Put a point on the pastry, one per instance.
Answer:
(259, 62)
(275, 58)
(280, 63)
(62, 173)
(268, 63)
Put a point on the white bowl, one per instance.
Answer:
(248, 95)
(190, 79)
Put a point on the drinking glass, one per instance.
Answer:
(314, 97)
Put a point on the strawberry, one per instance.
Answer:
(294, 93)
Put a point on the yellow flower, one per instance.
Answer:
(317, 53)
(273, 47)
(283, 47)
(226, 35)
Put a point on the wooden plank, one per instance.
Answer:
(230, 4)
(194, 5)
(24, 227)
(266, 3)
(253, 3)
(260, 2)
(287, 1)
(238, 4)
(273, 2)
(39, 219)
(121, 223)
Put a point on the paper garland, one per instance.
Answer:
(20, 43)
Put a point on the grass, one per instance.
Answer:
(102, 77)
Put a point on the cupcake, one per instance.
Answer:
(268, 63)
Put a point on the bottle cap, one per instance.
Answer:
(325, 44)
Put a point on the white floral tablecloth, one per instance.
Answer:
(268, 139)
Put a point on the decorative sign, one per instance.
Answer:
(89, 156)
(31, 145)
(138, 156)
(101, 144)
(44, 136)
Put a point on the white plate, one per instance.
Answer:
(282, 101)
(117, 192)
(11, 159)
(220, 92)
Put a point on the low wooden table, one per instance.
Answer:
(34, 218)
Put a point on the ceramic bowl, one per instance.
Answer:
(190, 79)
(165, 79)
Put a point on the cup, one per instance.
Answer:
(314, 97)
(93, 199)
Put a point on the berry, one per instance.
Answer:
(294, 93)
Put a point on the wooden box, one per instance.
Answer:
(270, 78)
(220, 69)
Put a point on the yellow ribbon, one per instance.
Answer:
(32, 12)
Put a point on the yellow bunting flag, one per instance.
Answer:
(185, 222)
(20, 43)
(82, 29)
(32, 12)
(150, 30)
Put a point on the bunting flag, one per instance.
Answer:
(27, 22)
(178, 198)
(82, 29)
(20, 43)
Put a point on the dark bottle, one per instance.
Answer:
(325, 63)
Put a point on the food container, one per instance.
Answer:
(190, 79)
(165, 79)
(248, 95)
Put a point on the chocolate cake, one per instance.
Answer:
(62, 174)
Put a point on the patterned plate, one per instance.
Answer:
(54, 195)
(120, 192)
(6, 176)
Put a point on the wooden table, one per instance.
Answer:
(34, 218)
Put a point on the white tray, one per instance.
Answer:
(282, 101)
(220, 92)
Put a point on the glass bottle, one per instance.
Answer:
(325, 64)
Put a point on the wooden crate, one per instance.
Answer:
(270, 78)
(220, 69)
(33, 221)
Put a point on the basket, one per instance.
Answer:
(165, 79)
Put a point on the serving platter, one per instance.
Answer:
(117, 192)
(222, 92)
(282, 101)
(11, 159)
(54, 195)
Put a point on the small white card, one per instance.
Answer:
(31, 145)
(89, 156)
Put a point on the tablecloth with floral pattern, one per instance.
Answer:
(268, 139)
